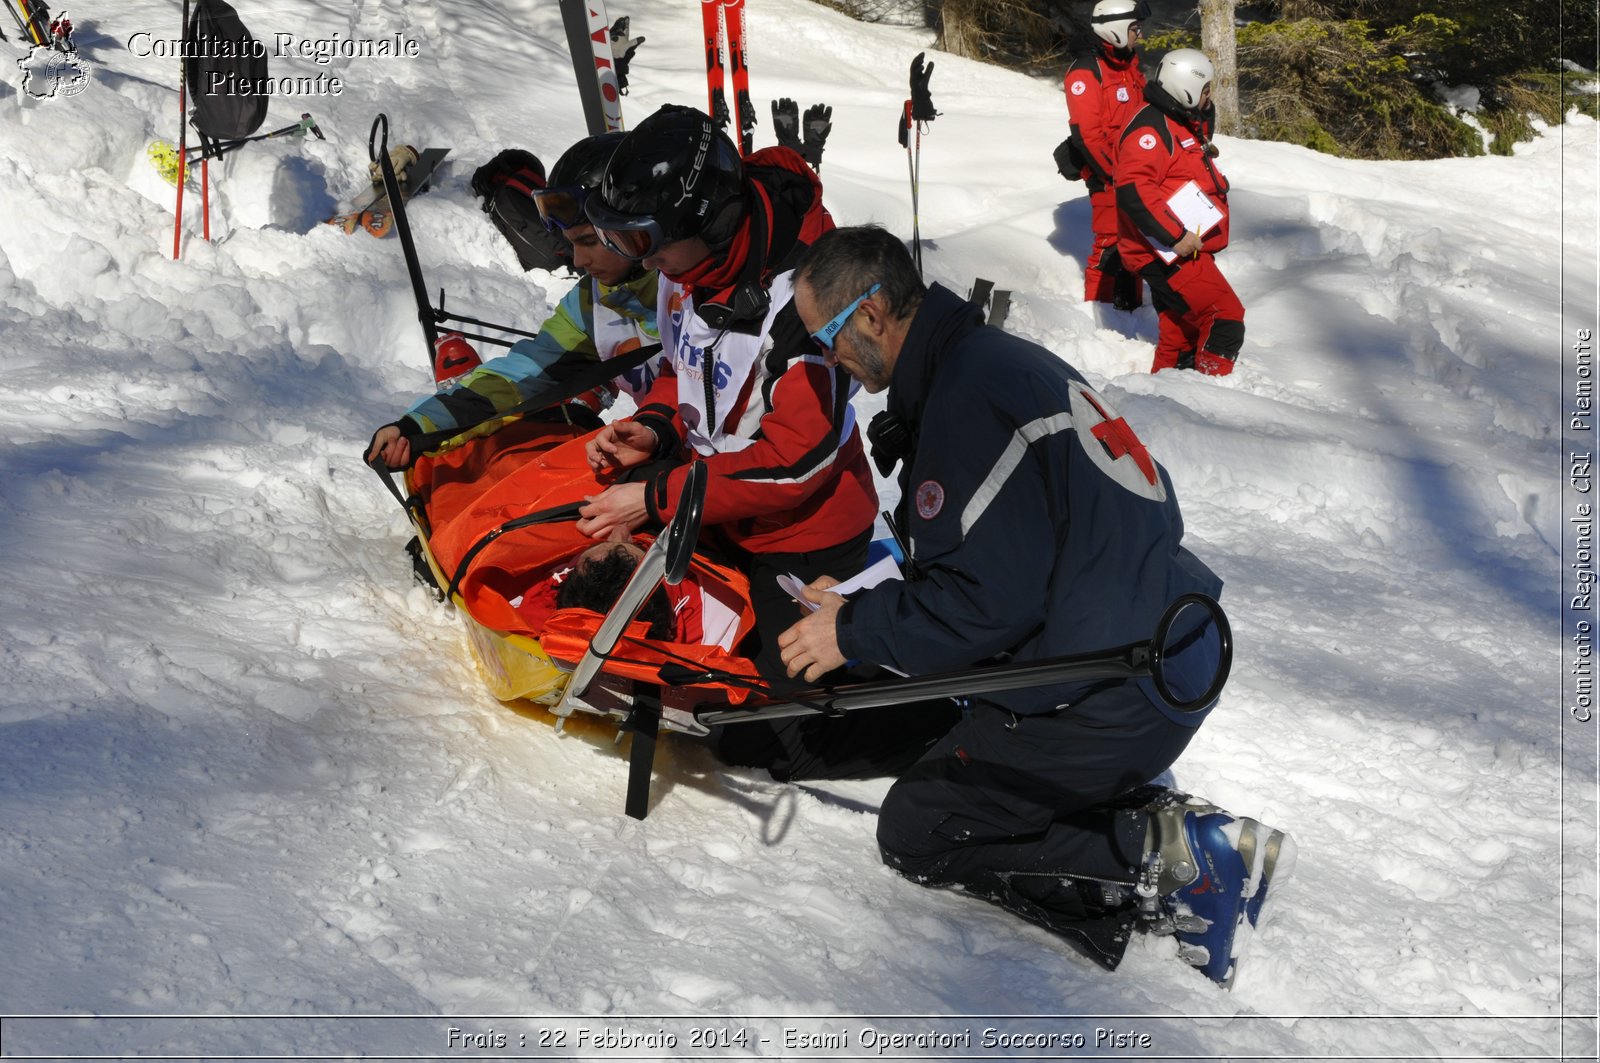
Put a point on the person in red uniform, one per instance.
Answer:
(747, 392)
(1105, 88)
(1174, 218)
(752, 396)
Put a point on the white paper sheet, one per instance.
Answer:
(1195, 210)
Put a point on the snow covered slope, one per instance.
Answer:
(247, 768)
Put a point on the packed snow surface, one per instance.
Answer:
(247, 767)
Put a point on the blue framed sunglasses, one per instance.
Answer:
(829, 332)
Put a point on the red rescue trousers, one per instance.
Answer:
(1201, 318)
(1099, 285)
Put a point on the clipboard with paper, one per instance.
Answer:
(1194, 209)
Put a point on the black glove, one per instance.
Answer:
(819, 123)
(786, 123)
(619, 31)
(921, 102)
(891, 439)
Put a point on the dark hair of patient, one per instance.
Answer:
(596, 584)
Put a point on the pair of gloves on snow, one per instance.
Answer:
(818, 123)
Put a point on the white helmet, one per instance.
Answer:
(1112, 19)
(1184, 73)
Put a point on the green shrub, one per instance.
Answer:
(1344, 87)
(1513, 103)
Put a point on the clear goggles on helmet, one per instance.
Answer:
(560, 208)
(633, 236)
(1140, 12)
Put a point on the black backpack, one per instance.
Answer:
(1069, 159)
(222, 53)
(505, 184)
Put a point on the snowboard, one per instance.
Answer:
(375, 215)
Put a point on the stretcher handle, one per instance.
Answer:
(683, 535)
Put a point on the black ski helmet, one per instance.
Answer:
(676, 175)
(583, 164)
(573, 179)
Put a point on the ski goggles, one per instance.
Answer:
(560, 208)
(1140, 12)
(635, 245)
(633, 236)
(829, 332)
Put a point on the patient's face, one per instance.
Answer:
(600, 551)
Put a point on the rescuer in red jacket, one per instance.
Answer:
(1169, 231)
(747, 392)
(1104, 90)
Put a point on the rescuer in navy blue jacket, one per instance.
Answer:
(1039, 525)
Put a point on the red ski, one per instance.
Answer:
(716, 74)
(733, 16)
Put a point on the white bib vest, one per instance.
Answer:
(734, 358)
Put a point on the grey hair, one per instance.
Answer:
(846, 262)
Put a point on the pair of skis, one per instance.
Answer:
(723, 22)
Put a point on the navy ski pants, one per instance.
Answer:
(1008, 806)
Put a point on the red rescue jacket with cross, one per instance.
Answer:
(752, 397)
(1104, 90)
(1161, 150)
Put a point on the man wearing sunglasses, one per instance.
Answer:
(609, 312)
(1039, 526)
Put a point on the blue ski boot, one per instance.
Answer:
(1206, 879)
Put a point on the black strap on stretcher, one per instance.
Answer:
(568, 511)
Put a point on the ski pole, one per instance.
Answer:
(919, 109)
(183, 138)
(903, 132)
(217, 149)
